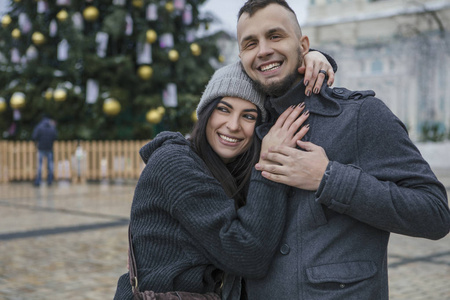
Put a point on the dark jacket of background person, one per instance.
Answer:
(335, 241)
(185, 228)
(44, 134)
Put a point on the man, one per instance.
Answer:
(358, 177)
(44, 135)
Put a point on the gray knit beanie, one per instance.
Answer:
(231, 81)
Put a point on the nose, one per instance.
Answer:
(264, 49)
(233, 124)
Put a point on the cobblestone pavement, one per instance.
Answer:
(70, 242)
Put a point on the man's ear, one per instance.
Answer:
(304, 44)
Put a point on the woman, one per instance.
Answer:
(188, 218)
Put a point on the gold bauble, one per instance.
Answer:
(195, 49)
(91, 13)
(2, 104)
(111, 107)
(138, 3)
(194, 117)
(145, 72)
(62, 15)
(153, 116)
(15, 33)
(173, 55)
(221, 58)
(161, 110)
(48, 95)
(17, 100)
(17, 1)
(60, 95)
(169, 6)
(38, 38)
(151, 36)
(6, 20)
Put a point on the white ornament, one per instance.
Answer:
(152, 12)
(166, 40)
(144, 53)
(63, 50)
(170, 95)
(53, 28)
(102, 43)
(92, 91)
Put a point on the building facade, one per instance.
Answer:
(400, 49)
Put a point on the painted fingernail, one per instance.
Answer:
(308, 93)
(301, 105)
(306, 113)
(306, 82)
(316, 90)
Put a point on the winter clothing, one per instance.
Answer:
(232, 81)
(44, 134)
(335, 240)
(185, 228)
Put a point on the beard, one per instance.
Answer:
(282, 86)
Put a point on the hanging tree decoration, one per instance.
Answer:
(91, 13)
(2, 104)
(16, 33)
(62, 15)
(194, 117)
(111, 107)
(173, 55)
(195, 49)
(151, 36)
(17, 100)
(6, 20)
(138, 3)
(153, 116)
(169, 6)
(145, 72)
(38, 38)
(60, 95)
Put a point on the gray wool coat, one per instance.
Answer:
(335, 240)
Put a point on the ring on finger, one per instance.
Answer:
(323, 72)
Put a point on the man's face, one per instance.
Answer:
(271, 48)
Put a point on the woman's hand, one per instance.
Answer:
(286, 130)
(294, 167)
(313, 63)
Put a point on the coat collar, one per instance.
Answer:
(322, 104)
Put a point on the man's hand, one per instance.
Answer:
(294, 167)
(313, 62)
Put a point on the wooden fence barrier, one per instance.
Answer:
(77, 162)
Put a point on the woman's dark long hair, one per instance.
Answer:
(235, 176)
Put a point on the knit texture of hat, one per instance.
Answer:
(231, 81)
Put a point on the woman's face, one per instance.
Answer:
(231, 127)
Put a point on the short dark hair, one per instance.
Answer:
(252, 6)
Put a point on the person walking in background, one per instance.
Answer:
(44, 135)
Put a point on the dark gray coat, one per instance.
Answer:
(335, 241)
(185, 228)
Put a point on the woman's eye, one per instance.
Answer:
(250, 117)
(222, 109)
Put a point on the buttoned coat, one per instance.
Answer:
(335, 240)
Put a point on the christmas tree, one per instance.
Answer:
(103, 69)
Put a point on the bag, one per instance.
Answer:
(151, 295)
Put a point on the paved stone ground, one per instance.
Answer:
(70, 242)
